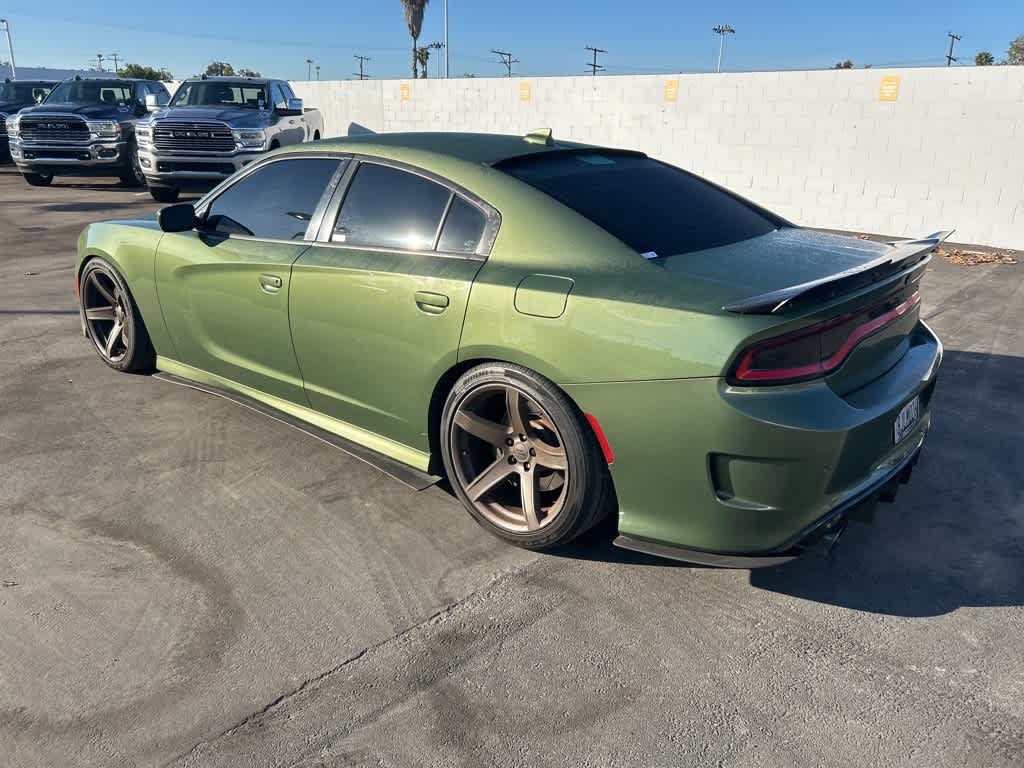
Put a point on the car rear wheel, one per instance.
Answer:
(38, 179)
(164, 194)
(113, 320)
(521, 457)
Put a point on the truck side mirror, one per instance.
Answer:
(177, 218)
(151, 103)
(293, 107)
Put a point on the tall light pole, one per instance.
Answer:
(309, 69)
(10, 47)
(446, 39)
(722, 30)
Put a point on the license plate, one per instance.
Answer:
(907, 418)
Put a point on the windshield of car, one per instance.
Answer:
(206, 93)
(91, 92)
(652, 207)
(23, 93)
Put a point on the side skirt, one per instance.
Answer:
(308, 422)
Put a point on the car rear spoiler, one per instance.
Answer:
(904, 253)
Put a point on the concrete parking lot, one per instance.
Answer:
(186, 582)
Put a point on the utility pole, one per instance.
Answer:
(362, 75)
(950, 58)
(446, 75)
(722, 30)
(116, 57)
(594, 66)
(506, 60)
(10, 47)
(99, 61)
(309, 69)
(317, 68)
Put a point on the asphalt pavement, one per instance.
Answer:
(188, 583)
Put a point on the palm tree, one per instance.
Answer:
(984, 59)
(414, 19)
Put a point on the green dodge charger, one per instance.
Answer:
(565, 332)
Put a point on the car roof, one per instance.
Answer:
(228, 79)
(484, 148)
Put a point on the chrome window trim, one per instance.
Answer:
(202, 206)
(492, 218)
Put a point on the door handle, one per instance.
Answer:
(431, 303)
(270, 283)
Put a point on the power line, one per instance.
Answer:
(506, 60)
(950, 58)
(594, 66)
(362, 75)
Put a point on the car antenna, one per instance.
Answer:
(540, 136)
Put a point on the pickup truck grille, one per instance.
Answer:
(191, 136)
(46, 128)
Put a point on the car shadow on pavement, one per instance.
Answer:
(955, 535)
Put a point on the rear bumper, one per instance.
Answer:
(725, 474)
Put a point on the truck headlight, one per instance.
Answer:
(253, 139)
(143, 135)
(104, 129)
(13, 123)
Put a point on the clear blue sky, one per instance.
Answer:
(547, 36)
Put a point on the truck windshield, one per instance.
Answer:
(23, 93)
(204, 93)
(91, 92)
(652, 207)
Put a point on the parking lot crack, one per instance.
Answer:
(438, 616)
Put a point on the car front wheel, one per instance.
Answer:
(113, 320)
(38, 179)
(164, 194)
(522, 458)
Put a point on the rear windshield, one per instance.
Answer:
(206, 93)
(23, 93)
(654, 208)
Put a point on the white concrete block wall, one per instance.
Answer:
(818, 147)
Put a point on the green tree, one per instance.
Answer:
(248, 73)
(1015, 53)
(984, 59)
(219, 68)
(414, 20)
(843, 65)
(143, 72)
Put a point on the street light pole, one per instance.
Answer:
(10, 47)
(722, 30)
(446, 74)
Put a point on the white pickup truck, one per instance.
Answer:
(215, 126)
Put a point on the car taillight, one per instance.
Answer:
(815, 351)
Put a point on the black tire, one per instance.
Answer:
(274, 145)
(132, 351)
(38, 179)
(132, 175)
(164, 194)
(558, 428)
(316, 135)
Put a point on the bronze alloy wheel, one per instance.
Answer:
(108, 315)
(509, 458)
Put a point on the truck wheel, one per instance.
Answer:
(316, 136)
(132, 176)
(38, 179)
(274, 145)
(164, 194)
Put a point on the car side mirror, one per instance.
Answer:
(151, 103)
(177, 218)
(293, 107)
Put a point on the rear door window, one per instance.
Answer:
(463, 228)
(389, 208)
(274, 202)
(652, 207)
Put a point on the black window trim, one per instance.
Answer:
(203, 206)
(492, 219)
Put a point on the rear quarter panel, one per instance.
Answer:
(129, 247)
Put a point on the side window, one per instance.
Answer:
(463, 228)
(160, 91)
(389, 208)
(277, 96)
(276, 201)
(286, 89)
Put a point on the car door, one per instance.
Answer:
(224, 287)
(290, 126)
(378, 303)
